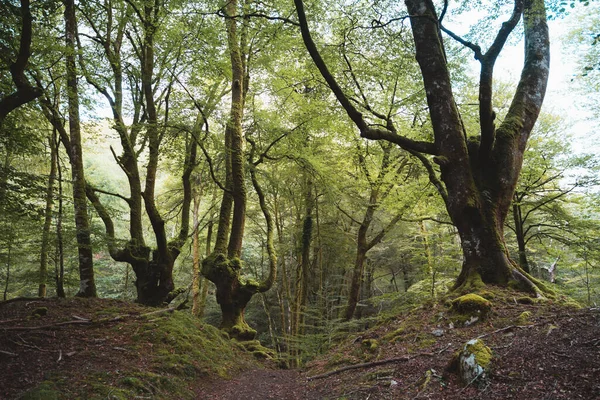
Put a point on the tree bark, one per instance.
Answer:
(43, 277)
(87, 283)
(59, 257)
(520, 235)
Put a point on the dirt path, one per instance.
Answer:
(260, 384)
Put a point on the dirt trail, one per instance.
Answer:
(261, 384)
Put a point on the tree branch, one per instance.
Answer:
(25, 92)
(366, 131)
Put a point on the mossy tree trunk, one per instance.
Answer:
(223, 266)
(87, 283)
(477, 174)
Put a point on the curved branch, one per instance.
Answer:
(366, 131)
(126, 199)
(25, 92)
(433, 178)
(268, 282)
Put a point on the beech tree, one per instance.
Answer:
(223, 266)
(136, 62)
(476, 173)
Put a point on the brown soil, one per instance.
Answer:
(29, 356)
(554, 356)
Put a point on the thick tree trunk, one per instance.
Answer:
(480, 180)
(87, 283)
(196, 277)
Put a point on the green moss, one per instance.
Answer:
(256, 348)
(370, 344)
(524, 318)
(44, 391)
(483, 354)
(189, 348)
(486, 294)
(526, 300)
(472, 303)
(393, 336)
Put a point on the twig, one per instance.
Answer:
(8, 353)
(32, 328)
(10, 320)
(506, 328)
(82, 321)
(368, 365)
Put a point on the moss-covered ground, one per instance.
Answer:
(112, 350)
(526, 335)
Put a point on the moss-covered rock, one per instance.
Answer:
(473, 362)
(526, 300)
(469, 308)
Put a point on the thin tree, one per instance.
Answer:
(87, 283)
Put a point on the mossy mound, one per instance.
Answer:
(470, 308)
(160, 356)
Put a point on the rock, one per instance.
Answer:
(437, 332)
(473, 362)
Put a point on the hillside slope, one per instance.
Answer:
(107, 349)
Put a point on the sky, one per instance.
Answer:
(562, 97)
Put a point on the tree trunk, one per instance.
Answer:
(11, 239)
(196, 258)
(59, 258)
(480, 175)
(223, 267)
(303, 270)
(520, 234)
(357, 277)
(87, 284)
(47, 218)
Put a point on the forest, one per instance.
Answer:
(299, 199)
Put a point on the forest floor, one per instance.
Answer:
(116, 350)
